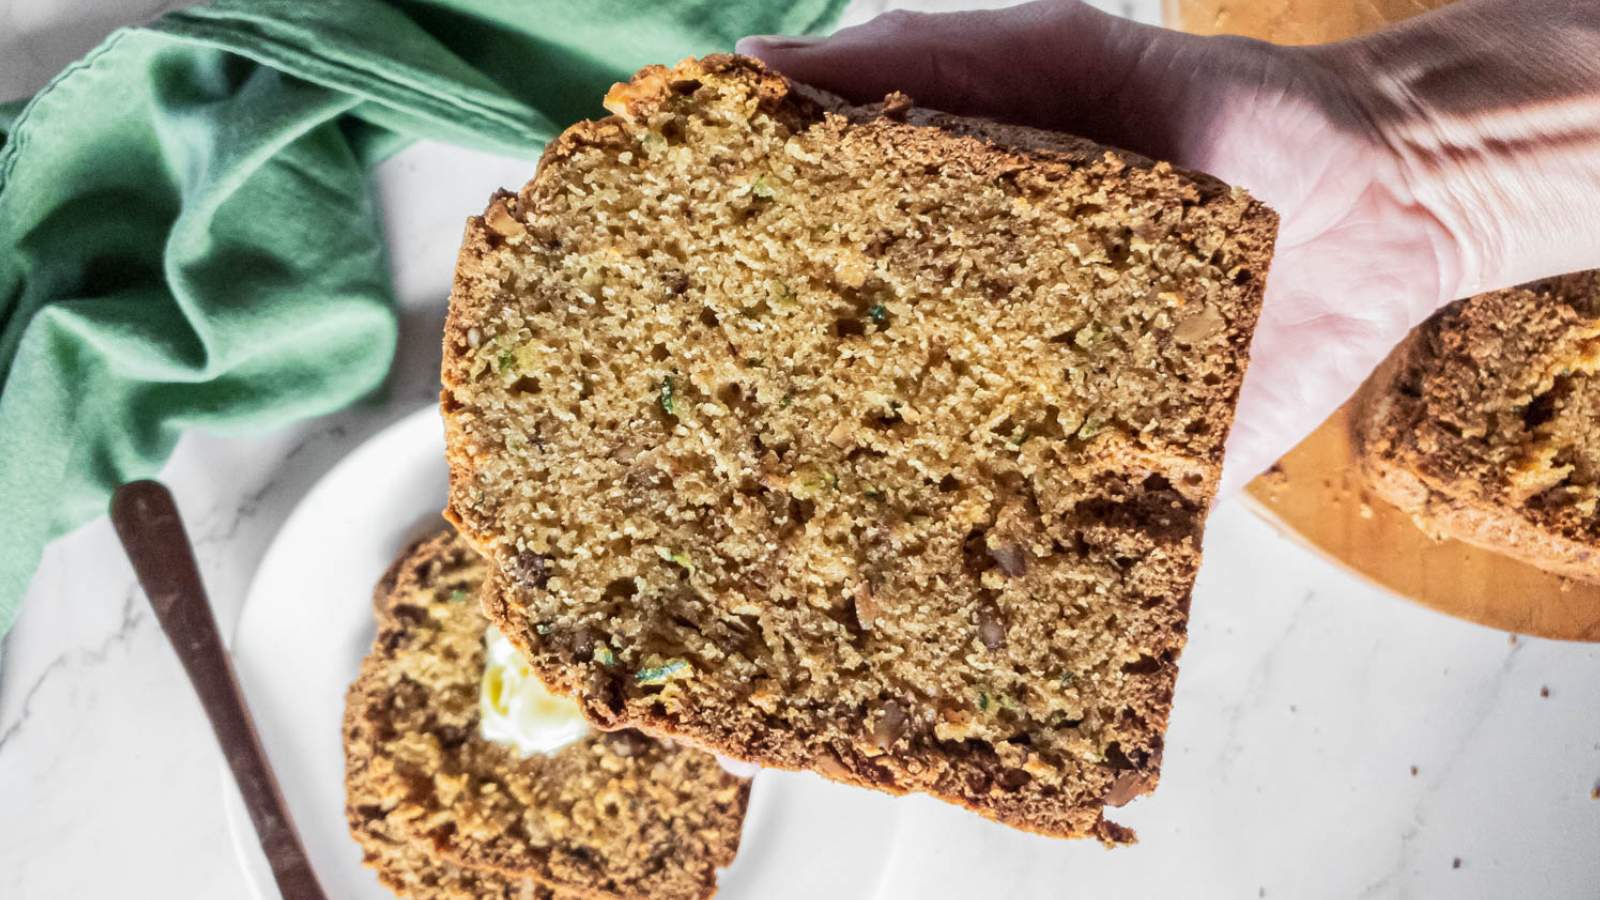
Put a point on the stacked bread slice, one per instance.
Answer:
(441, 812)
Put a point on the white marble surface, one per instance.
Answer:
(1306, 697)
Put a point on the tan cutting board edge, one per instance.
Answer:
(1316, 495)
(1291, 21)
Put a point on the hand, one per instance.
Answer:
(1359, 260)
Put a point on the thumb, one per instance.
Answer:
(1058, 64)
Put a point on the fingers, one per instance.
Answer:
(1055, 64)
(964, 62)
(1270, 119)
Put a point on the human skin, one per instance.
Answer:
(1453, 154)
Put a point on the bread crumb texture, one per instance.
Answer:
(1485, 424)
(867, 440)
(442, 813)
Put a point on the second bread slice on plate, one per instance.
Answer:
(442, 812)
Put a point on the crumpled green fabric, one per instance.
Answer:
(188, 237)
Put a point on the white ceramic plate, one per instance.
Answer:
(308, 621)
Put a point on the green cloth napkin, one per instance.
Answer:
(187, 231)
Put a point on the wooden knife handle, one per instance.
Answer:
(147, 521)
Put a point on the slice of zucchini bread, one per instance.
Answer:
(868, 440)
(442, 812)
(1484, 424)
(416, 873)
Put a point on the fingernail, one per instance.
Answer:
(737, 767)
(757, 44)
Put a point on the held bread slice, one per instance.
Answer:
(1484, 424)
(442, 812)
(869, 440)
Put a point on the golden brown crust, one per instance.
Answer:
(1482, 424)
(1063, 555)
(440, 812)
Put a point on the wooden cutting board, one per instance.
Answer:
(1316, 495)
(1291, 21)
